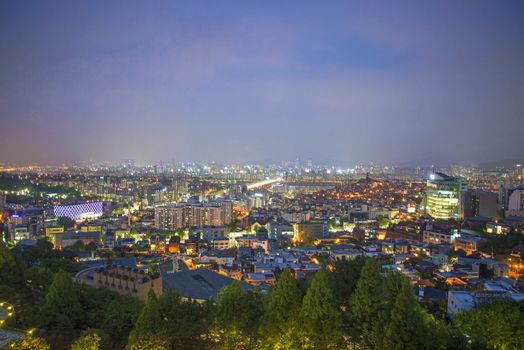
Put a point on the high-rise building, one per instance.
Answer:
(227, 211)
(169, 217)
(479, 203)
(174, 216)
(443, 196)
(179, 187)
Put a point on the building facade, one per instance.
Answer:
(443, 197)
(175, 216)
(479, 203)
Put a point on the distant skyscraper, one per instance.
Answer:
(180, 186)
(310, 163)
(443, 197)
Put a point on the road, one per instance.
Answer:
(263, 183)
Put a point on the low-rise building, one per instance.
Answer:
(69, 238)
(461, 300)
(467, 243)
(123, 280)
(199, 284)
(260, 278)
(221, 243)
(305, 231)
(348, 254)
(439, 237)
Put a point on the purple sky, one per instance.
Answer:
(237, 81)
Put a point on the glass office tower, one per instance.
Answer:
(443, 197)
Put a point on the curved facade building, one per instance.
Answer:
(443, 197)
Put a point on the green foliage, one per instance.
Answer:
(497, 325)
(149, 343)
(231, 310)
(182, 322)
(320, 319)
(232, 317)
(146, 326)
(394, 282)
(29, 343)
(43, 255)
(367, 306)
(152, 267)
(180, 233)
(383, 221)
(255, 310)
(119, 318)
(61, 309)
(405, 330)
(78, 246)
(283, 306)
(498, 244)
(344, 278)
(8, 268)
(90, 247)
(178, 323)
(90, 340)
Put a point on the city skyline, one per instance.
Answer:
(407, 83)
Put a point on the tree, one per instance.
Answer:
(497, 325)
(149, 343)
(78, 246)
(61, 309)
(152, 267)
(182, 322)
(180, 233)
(29, 343)
(91, 246)
(366, 306)
(8, 268)
(231, 317)
(231, 310)
(406, 329)
(283, 306)
(383, 221)
(120, 315)
(344, 278)
(90, 340)
(320, 320)
(147, 325)
(394, 282)
(255, 309)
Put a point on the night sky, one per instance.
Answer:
(240, 81)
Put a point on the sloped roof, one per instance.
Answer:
(200, 284)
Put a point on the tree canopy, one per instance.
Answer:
(61, 309)
(320, 319)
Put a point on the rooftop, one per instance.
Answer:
(199, 284)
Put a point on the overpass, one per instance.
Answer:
(263, 183)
